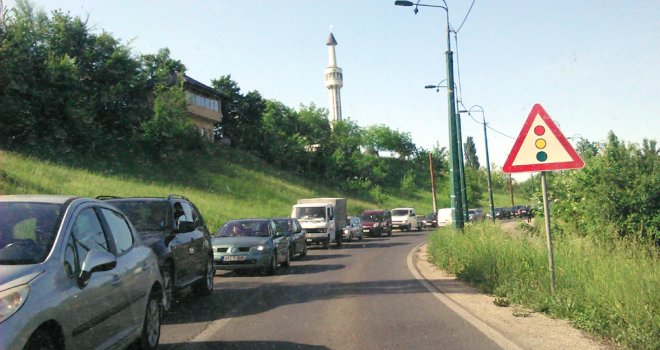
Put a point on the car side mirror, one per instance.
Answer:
(299, 230)
(95, 261)
(185, 226)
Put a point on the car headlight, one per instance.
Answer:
(376, 225)
(11, 300)
(346, 231)
(258, 248)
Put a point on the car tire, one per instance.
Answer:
(272, 269)
(304, 252)
(326, 243)
(168, 287)
(40, 340)
(287, 262)
(204, 286)
(151, 329)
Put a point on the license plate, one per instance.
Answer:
(233, 258)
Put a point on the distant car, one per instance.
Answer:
(174, 228)
(514, 210)
(525, 211)
(250, 244)
(353, 228)
(291, 228)
(502, 213)
(475, 215)
(376, 222)
(431, 220)
(75, 274)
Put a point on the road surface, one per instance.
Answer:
(362, 296)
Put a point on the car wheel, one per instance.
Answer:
(292, 251)
(287, 262)
(40, 340)
(273, 265)
(168, 287)
(151, 330)
(304, 252)
(204, 286)
(326, 243)
(361, 236)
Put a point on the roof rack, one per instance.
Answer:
(107, 197)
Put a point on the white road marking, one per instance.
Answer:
(484, 328)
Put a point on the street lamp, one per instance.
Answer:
(461, 166)
(490, 183)
(454, 168)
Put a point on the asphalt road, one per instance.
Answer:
(362, 296)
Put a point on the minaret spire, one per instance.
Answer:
(334, 80)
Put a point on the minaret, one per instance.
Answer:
(334, 80)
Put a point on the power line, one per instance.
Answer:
(481, 123)
(466, 16)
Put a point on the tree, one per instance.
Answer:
(377, 138)
(471, 159)
(241, 122)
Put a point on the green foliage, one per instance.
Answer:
(609, 291)
(617, 194)
(407, 183)
(170, 132)
(470, 150)
(378, 195)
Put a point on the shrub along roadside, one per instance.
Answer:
(612, 292)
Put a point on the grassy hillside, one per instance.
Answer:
(230, 184)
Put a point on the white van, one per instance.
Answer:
(444, 217)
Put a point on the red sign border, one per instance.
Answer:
(575, 163)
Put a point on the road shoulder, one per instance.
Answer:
(523, 328)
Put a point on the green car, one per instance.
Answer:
(250, 244)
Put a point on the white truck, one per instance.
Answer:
(323, 219)
(405, 219)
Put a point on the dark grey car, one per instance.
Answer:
(290, 227)
(74, 274)
(174, 228)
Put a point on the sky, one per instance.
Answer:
(594, 65)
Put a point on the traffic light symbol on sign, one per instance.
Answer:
(541, 147)
(540, 144)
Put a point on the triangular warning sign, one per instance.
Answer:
(541, 147)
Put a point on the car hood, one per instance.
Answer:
(16, 275)
(242, 241)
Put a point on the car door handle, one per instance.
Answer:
(116, 280)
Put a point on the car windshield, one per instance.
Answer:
(27, 231)
(284, 225)
(146, 215)
(310, 213)
(431, 215)
(244, 228)
(372, 217)
(400, 212)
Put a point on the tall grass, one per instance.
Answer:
(611, 291)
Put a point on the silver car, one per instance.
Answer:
(250, 244)
(74, 275)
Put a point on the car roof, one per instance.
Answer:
(37, 198)
(374, 211)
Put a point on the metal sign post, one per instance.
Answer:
(546, 215)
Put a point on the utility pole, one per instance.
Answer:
(511, 189)
(435, 204)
